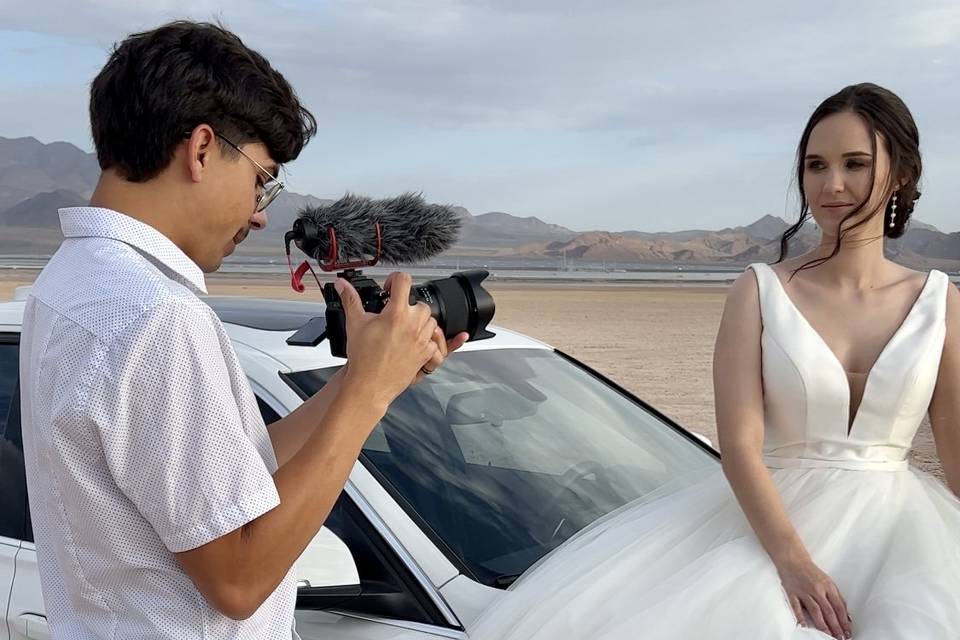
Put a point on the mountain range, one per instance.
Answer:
(36, 179)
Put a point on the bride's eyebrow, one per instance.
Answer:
(849, 154)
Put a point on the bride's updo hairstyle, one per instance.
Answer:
(884, 113)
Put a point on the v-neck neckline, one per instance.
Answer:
(852, 423)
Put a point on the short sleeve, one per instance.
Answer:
(172, 431)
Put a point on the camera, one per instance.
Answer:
(458, 303)
(404, 229)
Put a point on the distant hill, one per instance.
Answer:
(29, 167)
(40, 211)
(36, 179)
(920, 248)
(498, 229)
(700, 247)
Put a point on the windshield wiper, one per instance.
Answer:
(505, 581)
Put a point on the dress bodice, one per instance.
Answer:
(807, 394)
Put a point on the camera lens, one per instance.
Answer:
(459, 303)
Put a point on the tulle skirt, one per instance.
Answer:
(683, 563)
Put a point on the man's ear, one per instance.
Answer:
(199, 147)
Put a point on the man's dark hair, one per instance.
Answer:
(159, 85)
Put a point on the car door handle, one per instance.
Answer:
(33, 626)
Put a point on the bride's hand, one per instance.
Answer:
(812, 591)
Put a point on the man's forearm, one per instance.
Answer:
(309, 485)
(239, 571)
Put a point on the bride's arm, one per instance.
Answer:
(945, 406)
(738, 393)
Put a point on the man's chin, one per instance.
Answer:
(212, 266)
(216, 263)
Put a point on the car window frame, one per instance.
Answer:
(25, 533)
(689, 435)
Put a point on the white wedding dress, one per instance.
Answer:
(684, 563)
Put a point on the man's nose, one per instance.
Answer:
(258, 220)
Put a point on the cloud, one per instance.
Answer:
(563, 64)
(665, 79)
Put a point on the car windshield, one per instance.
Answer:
(504, 454)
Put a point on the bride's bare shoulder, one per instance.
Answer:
(908, 282)
(788, 266)
(911, 273)
(744, 292)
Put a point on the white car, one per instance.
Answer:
(473, 476)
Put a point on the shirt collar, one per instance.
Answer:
(98, 222)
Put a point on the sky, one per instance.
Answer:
(591, 114)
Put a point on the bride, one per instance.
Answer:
(824, 368)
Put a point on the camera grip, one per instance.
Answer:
(336, 321)
(337, 331)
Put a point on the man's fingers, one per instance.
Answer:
(440, 341)
(457, 341)
(427, 332)
(432, 360)
(388, 281)
(439, 349)
(432, 364)
(398, 285)
(349, 298)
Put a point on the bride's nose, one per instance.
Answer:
(834, 182)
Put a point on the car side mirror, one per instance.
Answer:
(326, 573)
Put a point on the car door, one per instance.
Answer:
(24, 611)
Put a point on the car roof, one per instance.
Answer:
(265, 324)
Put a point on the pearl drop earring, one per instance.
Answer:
(893, 210)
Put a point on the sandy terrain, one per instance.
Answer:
(655, 341)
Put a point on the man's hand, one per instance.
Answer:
(444, 348)
(387, 350)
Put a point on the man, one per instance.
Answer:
(161, 505)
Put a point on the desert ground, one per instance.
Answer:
(656, 341)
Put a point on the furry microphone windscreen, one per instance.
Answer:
(411, 229)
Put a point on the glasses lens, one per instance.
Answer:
(270, 191)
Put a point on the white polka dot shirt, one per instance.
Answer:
(142, 438)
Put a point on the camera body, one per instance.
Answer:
(458, 303)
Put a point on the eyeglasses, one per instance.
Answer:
(272, 185)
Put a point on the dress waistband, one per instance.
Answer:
(777, 462)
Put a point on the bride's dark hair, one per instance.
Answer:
(885, 113)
